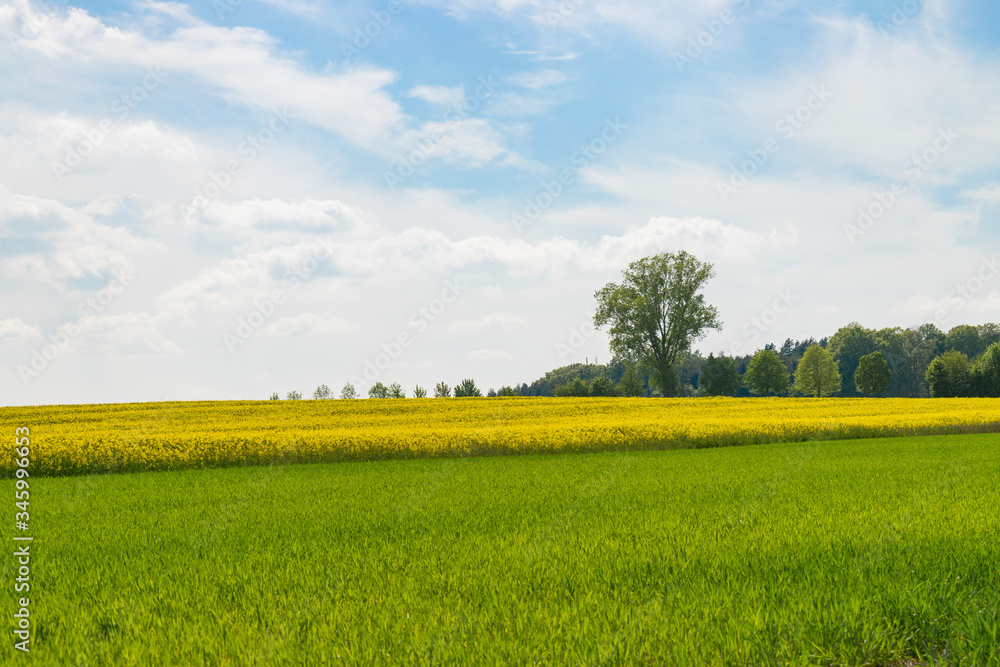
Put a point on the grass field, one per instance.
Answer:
(865, 552)
(132, 437)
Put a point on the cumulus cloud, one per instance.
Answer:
(308, 215)
(247, 66)
(306, 323)
(13, 330)
(490, 321)
(62, 243)
(124, 333)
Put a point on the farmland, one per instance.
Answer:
(861, 552)
(81, 439)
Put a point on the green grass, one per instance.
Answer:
(868, 552)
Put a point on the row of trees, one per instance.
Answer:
(804, 368)
(953, 374)
(917, 362)
(817, 374)
(465, 388)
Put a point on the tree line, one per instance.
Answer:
(918, 362)
(465, 388)
(657, 312)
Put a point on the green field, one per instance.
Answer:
(867, 552)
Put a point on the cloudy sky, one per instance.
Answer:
(227, 199)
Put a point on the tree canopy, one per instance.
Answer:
(719, 377)
(948, 375)
(817, 374)
(656, 313)
(847, 346)
(986, 373)
(467, 388)
(766, 374)
(873, 375)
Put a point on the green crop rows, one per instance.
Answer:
(870, 552)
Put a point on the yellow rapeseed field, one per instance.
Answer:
(78, 439)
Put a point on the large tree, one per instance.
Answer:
(873, 375)
(986, 373)
(719, 377)
(817, 373)
(657, 312)
(766, 374)
(950, 375)
(965, 339)
(847, 346)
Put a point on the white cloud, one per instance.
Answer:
(77, 246)
(307, 215)
(246, 66)
(442, 96)
(237, 283)
(242, 64)
(662, 23)
(538, 79)
(956, 310)
(126, 332)
(890, 96)
(174, 10)
(989, 192)
(13, 330)
(490, 321)
(305, 8)
(470, 141)
(306, 323)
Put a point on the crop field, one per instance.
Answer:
(81, 439)
(864, 552)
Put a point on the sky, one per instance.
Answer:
(227, 199)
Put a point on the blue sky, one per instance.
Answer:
(225, 200)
